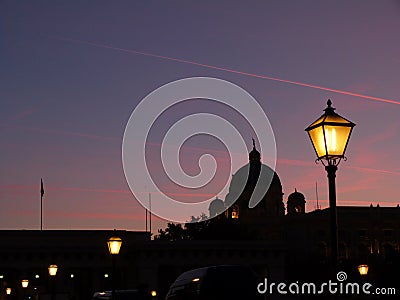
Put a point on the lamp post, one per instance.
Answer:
(24, 283)
(53, 272)
(114, 245)
(329, 136)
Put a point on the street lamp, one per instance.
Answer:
(114, 245)
(25, 283)
(8, 291)
(363, 270)
(329, 136)
(52, 272)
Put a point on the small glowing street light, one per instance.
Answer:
(25, 283)
(53, 270)
(153, 293)
(8, 291)
(363, 270)
(114, 245)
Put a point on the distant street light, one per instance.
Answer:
(25, 283)
(329, 136)
(8, 291)
(114, 245)
(363, 270)
(52, 272)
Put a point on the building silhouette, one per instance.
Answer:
(282, 246)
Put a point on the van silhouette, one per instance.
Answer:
(231, 282)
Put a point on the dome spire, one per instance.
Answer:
(254, 155)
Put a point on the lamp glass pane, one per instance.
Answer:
(318, 121)
(336, 118)
(336, 139)
(317, 139)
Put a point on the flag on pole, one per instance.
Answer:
(41, 187)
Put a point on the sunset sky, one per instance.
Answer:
(72, 72)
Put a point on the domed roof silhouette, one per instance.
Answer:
(243, 177)
(296, 203)
(255, 189)
(216, 207)
(296, 196)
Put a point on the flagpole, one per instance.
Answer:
(41, 203)
(41, 212)
(146, 218)
(150, 212)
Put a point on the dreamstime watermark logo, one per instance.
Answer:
(331, 287)
(138, 161)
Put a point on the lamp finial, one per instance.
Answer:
(329, 110)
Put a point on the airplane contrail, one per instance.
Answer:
(233, 71)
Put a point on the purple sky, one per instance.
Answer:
(71, 74)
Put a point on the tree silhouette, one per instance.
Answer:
(202, 228)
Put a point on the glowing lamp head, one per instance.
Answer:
(153, 293)
(53, 270)
(25, 283)
(8, 291)
(114, 244)
(363, 269)
(330, 135)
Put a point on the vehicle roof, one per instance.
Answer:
(201, 272)
(107, 294)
